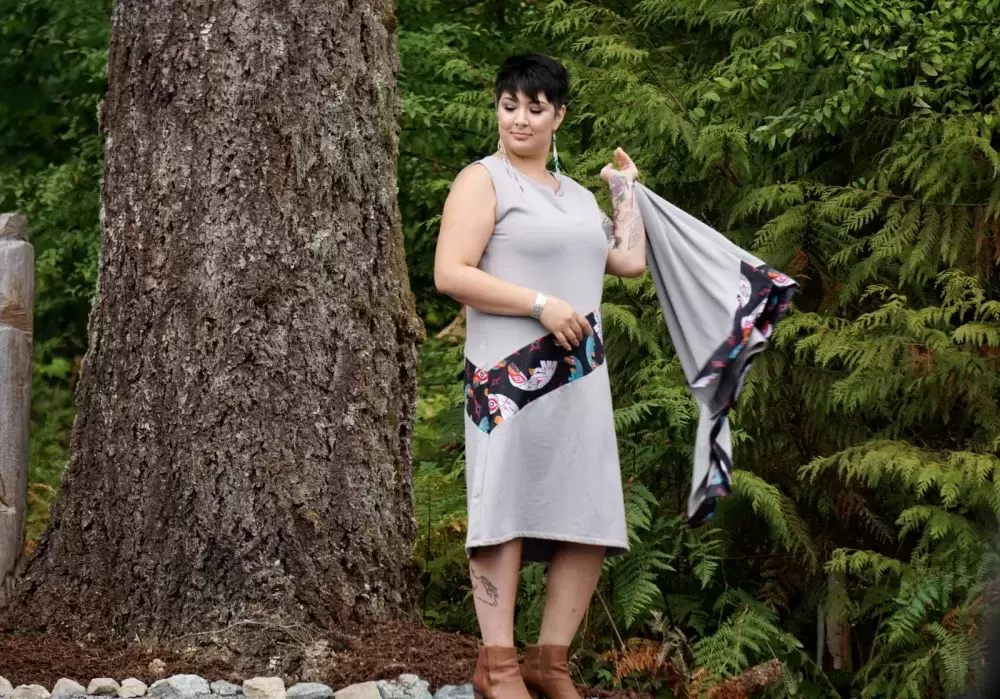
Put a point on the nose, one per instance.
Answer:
(521, 117)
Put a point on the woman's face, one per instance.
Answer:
(526, 123)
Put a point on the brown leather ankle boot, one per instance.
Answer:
(546, 671)
(497, 674)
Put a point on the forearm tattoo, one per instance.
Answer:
(609, 232)
(627, 216)
(484, 590)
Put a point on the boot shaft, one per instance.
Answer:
(546, 671)
(498, 675)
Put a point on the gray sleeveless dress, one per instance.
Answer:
(540, 445)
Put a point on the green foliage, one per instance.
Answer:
(439, 486)
(653, 544)
(851, 143)
(52, 64)
(448, 57)
(750, 634)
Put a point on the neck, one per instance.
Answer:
(534, 165)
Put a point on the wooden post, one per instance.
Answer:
(820, 634)
(838, 629)
(17, 290)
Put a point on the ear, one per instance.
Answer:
(560, 115)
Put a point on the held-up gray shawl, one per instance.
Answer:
(720, 304)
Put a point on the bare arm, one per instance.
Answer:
(626, 233)
(466, 227)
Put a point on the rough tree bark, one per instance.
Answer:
(242, 449)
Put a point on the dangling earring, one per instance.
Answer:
(506, 162)
(555, 153)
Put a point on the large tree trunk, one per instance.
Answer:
(242, 450)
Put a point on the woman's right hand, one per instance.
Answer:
(566, 325)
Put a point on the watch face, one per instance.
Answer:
(536, 311)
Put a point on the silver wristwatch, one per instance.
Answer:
(536, 310)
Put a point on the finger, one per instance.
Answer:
(588, 329)
(561, 341)
(569, 332)
(575, 332)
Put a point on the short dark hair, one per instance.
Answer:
(533, 74)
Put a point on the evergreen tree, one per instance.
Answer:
(851, 144)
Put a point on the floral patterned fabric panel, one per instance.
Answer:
(763, 296)
(498, 393)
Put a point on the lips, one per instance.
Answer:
(520, 136)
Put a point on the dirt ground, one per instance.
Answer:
(384, 652)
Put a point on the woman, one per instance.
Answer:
(526, 250)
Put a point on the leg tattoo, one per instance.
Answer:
(484, 590)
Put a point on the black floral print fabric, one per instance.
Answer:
(497, 393)
(762, 299)
(764, 295)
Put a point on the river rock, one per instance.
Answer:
(405, 687)
(225, 689)
(451, 691)
(103, 687)
(132, 688)
(31, 691)
(180, 687)
(264, 688)
(66, 687)
(362, 690)
(309, 690)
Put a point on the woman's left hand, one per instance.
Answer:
(625, 168)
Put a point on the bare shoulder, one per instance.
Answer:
(472, 194)
(474, 180)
